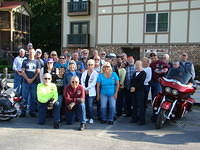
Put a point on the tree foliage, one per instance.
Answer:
(45, 24)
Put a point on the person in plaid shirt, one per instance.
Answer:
(130, 70)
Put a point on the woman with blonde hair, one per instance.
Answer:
(107, 90)
(146, 62)
(88, 81)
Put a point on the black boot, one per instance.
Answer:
(56, 125)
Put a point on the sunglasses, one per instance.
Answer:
(183, 55)
(85, 53)
(90, 64)
(53, 55)
(103, 54)
(61, 58)
(152, 55)
(74, 82)
(47, 78)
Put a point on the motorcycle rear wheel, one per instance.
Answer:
(161, 119)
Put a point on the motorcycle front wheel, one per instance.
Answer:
(161, 119)
(4, 106)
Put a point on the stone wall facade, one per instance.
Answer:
(173, 50)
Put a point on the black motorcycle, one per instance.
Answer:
(10, 102)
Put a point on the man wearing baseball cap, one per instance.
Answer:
(38, 55)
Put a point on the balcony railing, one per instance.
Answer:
(79, 8)
(78, 40)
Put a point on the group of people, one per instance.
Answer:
(68, 85)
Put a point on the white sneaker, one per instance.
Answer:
(91, 121)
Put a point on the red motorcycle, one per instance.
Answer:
(173, 102)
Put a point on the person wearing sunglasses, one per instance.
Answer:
(74, 96)
(188, 67)
(47, 95)
(107, 90)
(103, 55)
(61, 63)
(88, 81)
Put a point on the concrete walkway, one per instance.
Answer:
(25, 134)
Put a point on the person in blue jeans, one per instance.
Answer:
(48, 99)
(88, 81)
(30, 72)
(107, 89)
(17, 67)
(74, 96)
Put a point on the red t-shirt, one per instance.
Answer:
(158, 69)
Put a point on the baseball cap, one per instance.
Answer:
(153, 54)
(50, 60)
(30, 45)
(38, 51)
(112, 55)
(21, 50)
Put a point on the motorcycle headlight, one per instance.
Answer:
(167, 89)
(174, 92)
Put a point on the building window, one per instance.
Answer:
(157, 22)
(151, 23)
(79, 28)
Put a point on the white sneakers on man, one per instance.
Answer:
(91, 121)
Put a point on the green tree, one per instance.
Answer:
(45, 24)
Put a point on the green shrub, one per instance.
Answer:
(4, 66)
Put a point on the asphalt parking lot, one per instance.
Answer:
(25, 134)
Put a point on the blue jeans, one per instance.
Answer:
(29, 97)
(79, 110)
(18, 83)
(89, 106)
(42, 110)
(112, 106)
(155, 88)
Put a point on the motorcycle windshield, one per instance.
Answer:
(180, 74)
(177, 85)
